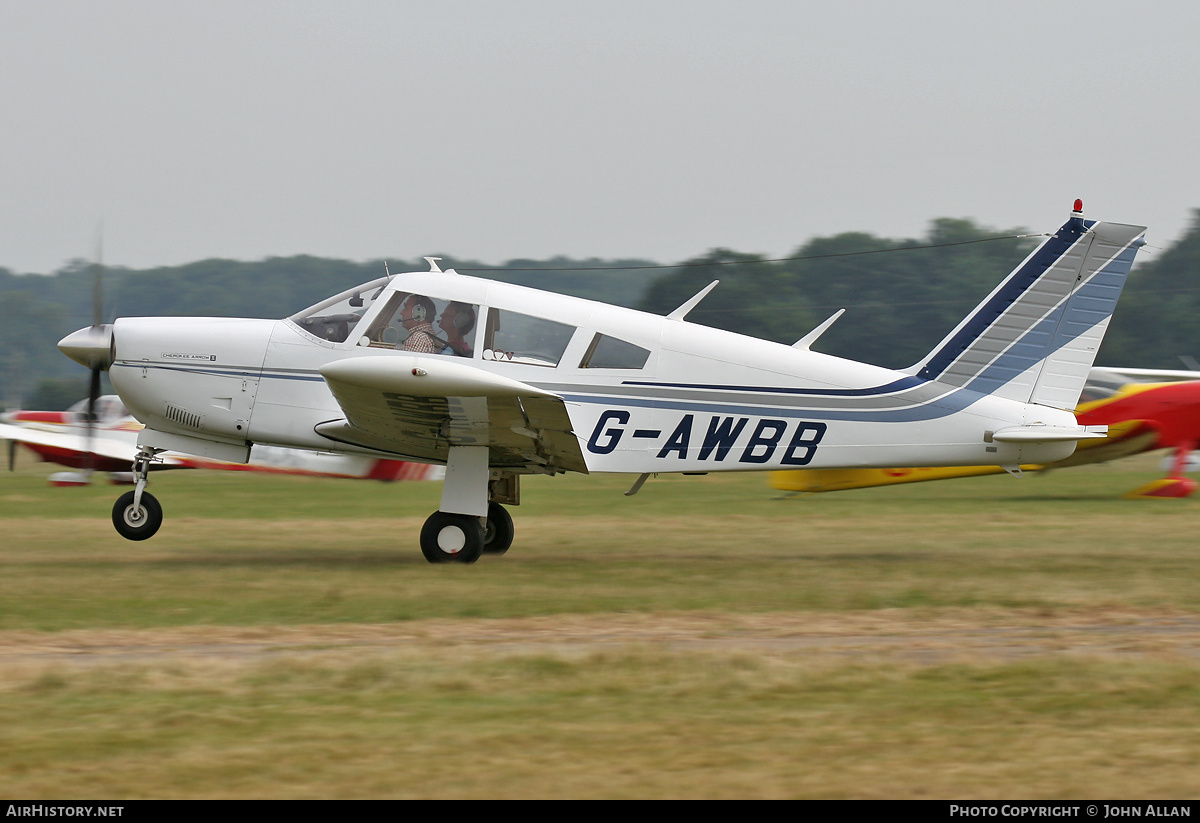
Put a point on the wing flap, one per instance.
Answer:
(418, 407)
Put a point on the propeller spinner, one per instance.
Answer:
(91, 346)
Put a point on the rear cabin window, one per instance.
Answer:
(613, 353)
(519, 338)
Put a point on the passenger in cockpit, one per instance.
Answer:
(416, 315)
(456, 322)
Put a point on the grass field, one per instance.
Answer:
(283, 637)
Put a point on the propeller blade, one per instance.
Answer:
(98, 281)
(12, 455)
(93, 397)
(97, 325)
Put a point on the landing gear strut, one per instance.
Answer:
(137, 514)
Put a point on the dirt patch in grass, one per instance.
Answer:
(900, 636)
(969, 703)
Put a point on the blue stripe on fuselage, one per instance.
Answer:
(894, 386)
(241, 372)
(955, 401)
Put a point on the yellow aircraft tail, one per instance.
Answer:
(831, 480)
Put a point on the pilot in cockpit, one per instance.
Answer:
(456, 322)
(416, 315)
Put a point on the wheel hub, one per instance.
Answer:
(451, 539)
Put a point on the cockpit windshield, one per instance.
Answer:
(333, 319)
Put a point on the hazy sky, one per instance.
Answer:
(529, 128)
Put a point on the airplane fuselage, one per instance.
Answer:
(662, 395)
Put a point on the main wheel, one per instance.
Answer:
(498, 535)
(447, 537)
(137, 523)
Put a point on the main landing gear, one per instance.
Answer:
(498, 533)
(448, 537)
(460, 531)
(137, 514)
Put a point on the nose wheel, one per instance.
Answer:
(137, 520)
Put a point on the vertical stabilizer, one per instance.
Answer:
(1035, 337)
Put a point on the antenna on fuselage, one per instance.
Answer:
(807, 340)
(433, 266)
(682, 311)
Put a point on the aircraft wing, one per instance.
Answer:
(118, 445)
(417, 407)
(1147, 375)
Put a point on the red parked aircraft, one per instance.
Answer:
(1141, 416)
(109, 445)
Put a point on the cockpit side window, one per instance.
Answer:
(613, 353)
(424, 325)
(335, 318)
(518, 338)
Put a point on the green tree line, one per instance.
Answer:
(902, 296)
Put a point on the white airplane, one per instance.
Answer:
(105, 440)
(496, 381)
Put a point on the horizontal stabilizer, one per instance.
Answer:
(1049, 434)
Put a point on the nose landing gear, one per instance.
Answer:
(137, 514)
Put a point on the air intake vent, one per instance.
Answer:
(183, 418)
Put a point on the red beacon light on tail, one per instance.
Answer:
(1076, 224)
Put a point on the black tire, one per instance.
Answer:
(137, 524)
(498, 535)
(451, 538)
